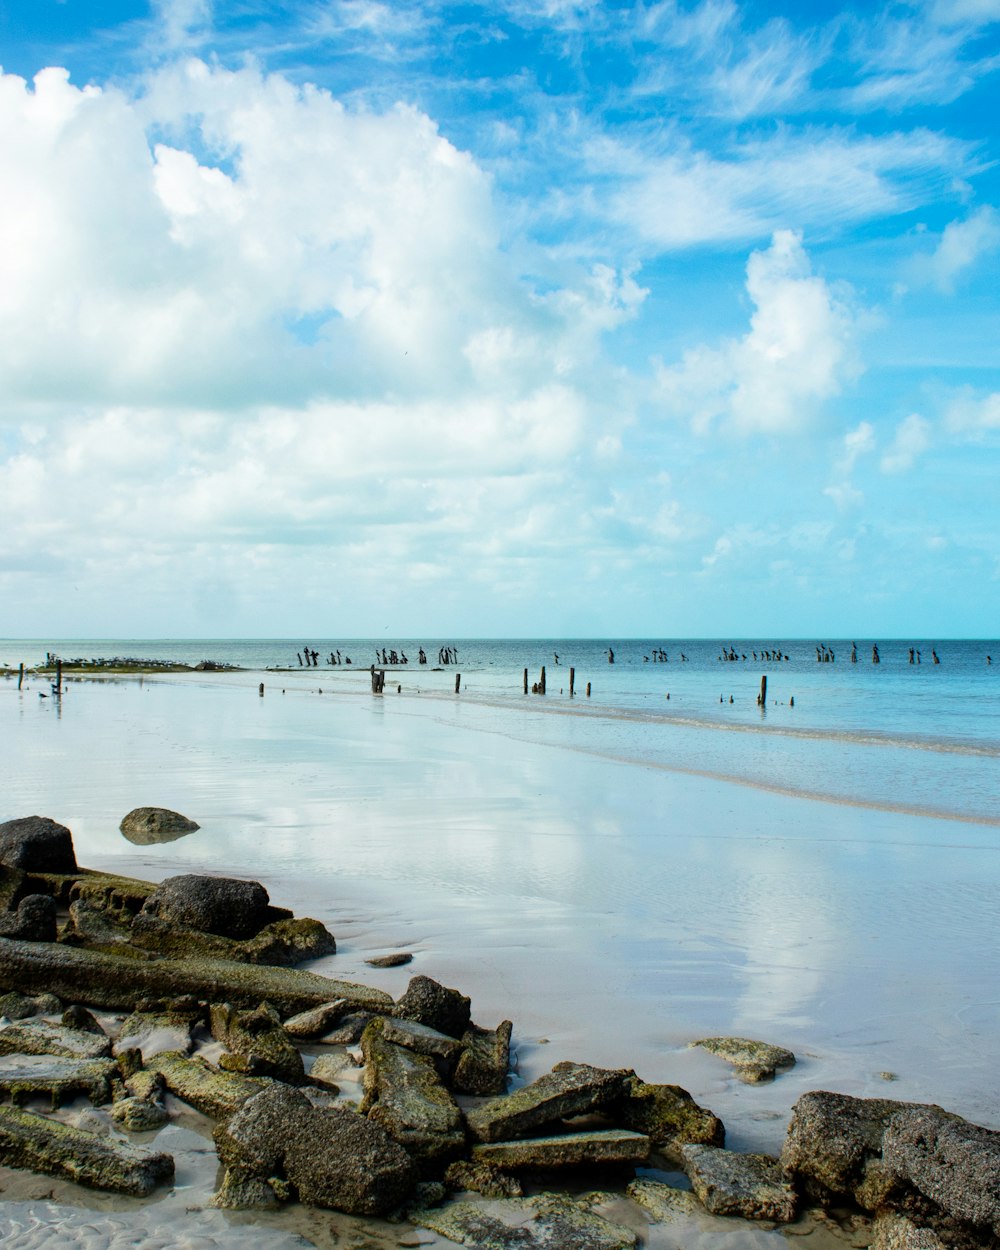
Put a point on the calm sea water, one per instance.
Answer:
(907, 733)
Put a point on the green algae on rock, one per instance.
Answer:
(511, 1224)
(749, 1185)
(58, 1078)
(569, 1089)
(752, 1061)
(604, 1147)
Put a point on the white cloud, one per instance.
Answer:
(797, 353)
(911, 441)
(971, 414)
(962, 243)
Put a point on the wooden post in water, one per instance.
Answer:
(58, 676)
(458, 682)
(588, 689)
(20, 676)
(762, 697)
(572, 679)
(260, 690)
(525, 681)
(541, 683)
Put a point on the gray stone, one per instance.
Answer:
(153, 1032)
(606, 1147)
(520, 1225)
(41, 1145)
(17, 1006)
(225, 906)
(952, 1163)
(38, 1037)
(570, 1089)
(428, 1002)
(327, 1068)
(331, 1158)
(34, 920)
(833, 1147)
(84, 1021)
(395, 960)
(423, 1040)
(349, 1029)
(145, 826)
(404, 1094)
(57, 1078)
(664, 1203)
(892, 1231)
(139, 1115)
(37, 844)
(752, 1061)
(240, 1192)
(208, 1090)
(317, 1021)
(485, 1060)
(283, 943)
(749, 1185)
(479, 1178)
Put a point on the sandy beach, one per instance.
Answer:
(614, 911)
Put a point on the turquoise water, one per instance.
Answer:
(918, 737)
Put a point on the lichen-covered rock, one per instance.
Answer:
(37, 844)
(603, 1147)
(485, 1061)
(404, 1094)
(833, 1147)
(119, 981)
(949, 1163)
(669, 1115)
(349, 1028)
(36, 1036)
(17, 1006)
(145, 826)
(749, 1185)
(208, 1090)
(428, 1002)
(255, 1043)
(480, 1178)
(57, 1078)
(332, 1158)
(317, 1021)
(396, 960)
(34, 920)
(139, 1115)
(226, 906)
(152, 1032)
(241, 1192)
(569, 1089)
(892, 1231)
(752, 1061)
(443, 1049)
(84, 1021)
(663, 1202)
(282, 943)
(521, 1225)
(41, 1145)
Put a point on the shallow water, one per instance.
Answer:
(614, 908)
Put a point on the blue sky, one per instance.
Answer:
(558, 318)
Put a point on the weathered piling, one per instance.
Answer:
(58, 676)
(541, 681)
(525, 681)
(458, 682)
(762, 697)
(20, 676)
(572, 679)
(260, 690)
(588, 689)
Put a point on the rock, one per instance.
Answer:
(317, 1021)
(569, 1089)
(605, 1147)
(404, 1094)
(17, 1006)
(139, 1115)
(213, 1093)
(752, 1061)
(480, 1178)
(509, 1224)
(663, 1202)
(395, 960)
(34, 920)
(38, 1037)
(895, 1232)
(117, 981)
(425, 1041)
(152, 1032)
(332, 1158)
(833, 1147)
(84, 1021)
(749, 1185)
(669, 1116)
(37, 844)
(951, 1164)
(430, 1003)
(256, 1043)
(41, 1145)
(485, 1060)
(226, 906)
(144, 826)
(283, 943)
(57, 1078)
(349, 1029)
(239, 1192)
(327, 1068)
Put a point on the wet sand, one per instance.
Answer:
(614, 912)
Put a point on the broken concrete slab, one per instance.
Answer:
(57, 1078)
(36, 1036)
(510, 1224)
(748, 1185)
(753, 1061)
(608, 1147)
(485, 1062)
(570, 1089)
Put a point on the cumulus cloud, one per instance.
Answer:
(798, 352)
(911, 440)
(971, 414)
(961, 245)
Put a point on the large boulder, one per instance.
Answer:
(34, 920)
(669, 1115)
(332, 1158)
(225, 906)
(749, 1185)
(37, 844)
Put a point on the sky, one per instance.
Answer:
(677, 318)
